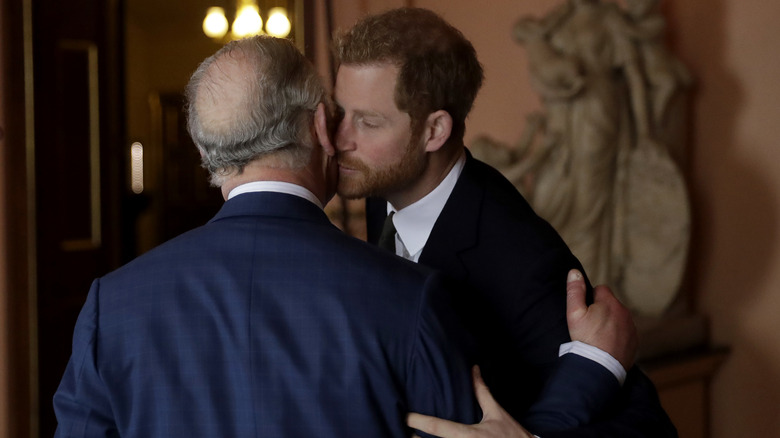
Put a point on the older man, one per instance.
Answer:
(267, 321)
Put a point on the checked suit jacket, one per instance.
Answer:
(266, 322)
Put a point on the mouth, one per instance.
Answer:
(345, 166)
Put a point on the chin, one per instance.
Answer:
(348, 194)
(352, 191)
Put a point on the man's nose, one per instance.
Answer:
(344, 137)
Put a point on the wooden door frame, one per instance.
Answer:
(17, 204)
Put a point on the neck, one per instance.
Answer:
(257, 171)
(439, 165)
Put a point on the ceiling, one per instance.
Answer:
(156, 13)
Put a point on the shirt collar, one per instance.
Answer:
(275, 186)
(414, 223)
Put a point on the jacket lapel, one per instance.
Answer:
(456, 228)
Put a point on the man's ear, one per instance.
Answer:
(438, 127)
(321, 128)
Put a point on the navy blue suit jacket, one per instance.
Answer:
(266, 322)
(489, 238)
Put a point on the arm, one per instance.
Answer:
(578, 390)
(635, 413)
(585, 400)
(581, 389)
(496, 422)
(81, 402)
(438, 381)
(582, 399)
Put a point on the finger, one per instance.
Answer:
(575, 295)
(490, 408)
(436, 426)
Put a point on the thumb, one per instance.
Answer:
(484, 397)
(575, 296)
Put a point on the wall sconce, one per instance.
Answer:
(247, 22)
(137, 168)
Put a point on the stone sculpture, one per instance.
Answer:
(597, 163)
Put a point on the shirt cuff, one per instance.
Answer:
(597, 355)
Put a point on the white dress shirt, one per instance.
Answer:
(275, 186)
(414, 223)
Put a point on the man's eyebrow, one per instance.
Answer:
(359, 112)
(368, 113)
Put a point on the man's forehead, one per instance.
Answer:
(374, 65)
(349, 76)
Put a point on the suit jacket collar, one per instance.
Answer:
(271, 204)
(456, 228)
(455, 231)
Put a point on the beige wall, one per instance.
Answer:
(734, 171)
(731, 46)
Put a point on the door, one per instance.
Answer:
(79, 170)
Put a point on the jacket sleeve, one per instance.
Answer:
(577, 391)
(578, 397)
(439, 377)
(635, 412)
(81, 402)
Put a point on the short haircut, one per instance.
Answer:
(253, 98)
(438, 66)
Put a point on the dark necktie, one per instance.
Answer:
(387, 238)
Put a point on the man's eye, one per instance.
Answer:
(368, 124)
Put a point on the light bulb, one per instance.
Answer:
(215, 25)
(248, 22)
(278, 24)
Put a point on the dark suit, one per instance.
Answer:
(266, 322)
(488, 237)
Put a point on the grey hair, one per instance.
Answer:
(253, 98)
